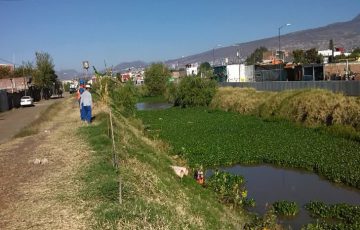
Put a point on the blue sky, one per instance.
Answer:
(150, 30)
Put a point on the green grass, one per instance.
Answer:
(153, 196)
(217, 138)
(152, 99)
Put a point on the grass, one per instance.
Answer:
(217, 138)
(47, 115)
(153, 196)
(312, 107)
(152, 99)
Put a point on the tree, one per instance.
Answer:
(312, 56)
(156, 78)
(26, 69)
(299, 56)
(205, 70)
(355, 53)
(44, 76)
(5, 72)
(256, 56)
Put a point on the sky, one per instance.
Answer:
(116, 31)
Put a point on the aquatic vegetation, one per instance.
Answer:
(217, 138)
(285, 208)
(229, 188)
(343, 216)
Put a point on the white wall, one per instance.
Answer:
(233, 73)
(193, 70)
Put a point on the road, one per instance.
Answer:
(39, 180)
(11, 122)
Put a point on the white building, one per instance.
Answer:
(239, 73)
(192, 69)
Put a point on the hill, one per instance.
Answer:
(344, 34)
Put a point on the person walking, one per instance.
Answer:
(86, 102)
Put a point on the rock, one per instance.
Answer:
(180, 171)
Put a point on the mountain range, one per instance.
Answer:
(343, 34)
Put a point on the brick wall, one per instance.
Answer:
(339, 69)
(18, 84)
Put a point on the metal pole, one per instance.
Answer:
(280, 64)
(279, 55)
(213, 56)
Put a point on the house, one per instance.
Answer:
(192, 69)
(14, 84)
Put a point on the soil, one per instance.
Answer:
(39, 176)
(11, 122)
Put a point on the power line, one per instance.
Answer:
(9, 62)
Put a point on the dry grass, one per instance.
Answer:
(49, 199)
(312, 106)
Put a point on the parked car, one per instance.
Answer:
(26, 101)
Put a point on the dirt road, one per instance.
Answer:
(39, 186)
(11, 122)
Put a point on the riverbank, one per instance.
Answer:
(152, 196)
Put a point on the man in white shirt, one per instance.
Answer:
(86, 102)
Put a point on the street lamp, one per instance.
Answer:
(218, 45)
(287, 24)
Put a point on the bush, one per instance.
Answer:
(123, 99)
(156, 78)
(230, 188)
(192, 91)
(286, 208)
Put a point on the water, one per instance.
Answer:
(267, 184)
(153, 105)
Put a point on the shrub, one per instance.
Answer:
(156, 78)
(286, 208)
(229, 188)
(193, 91)
(123, 99)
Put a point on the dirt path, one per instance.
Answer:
(44, 196)
(11, 122)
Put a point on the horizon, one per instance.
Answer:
(117, 32)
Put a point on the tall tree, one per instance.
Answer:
(24, 70)
(256, 56)
(156, 78)
(312, 56)
(5, 72)
(44, 76)
(205, 70)
(299, 56)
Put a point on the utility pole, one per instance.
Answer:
(280, 69)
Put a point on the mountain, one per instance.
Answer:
(343, 34)
(128, 65)
(68, 74)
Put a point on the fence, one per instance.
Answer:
(349, 88)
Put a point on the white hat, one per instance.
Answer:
(87, 86)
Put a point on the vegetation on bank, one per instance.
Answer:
(285, 208)
(152, 196)
(217, 138)
(343, 216)
(192, 92)
(332, 112)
